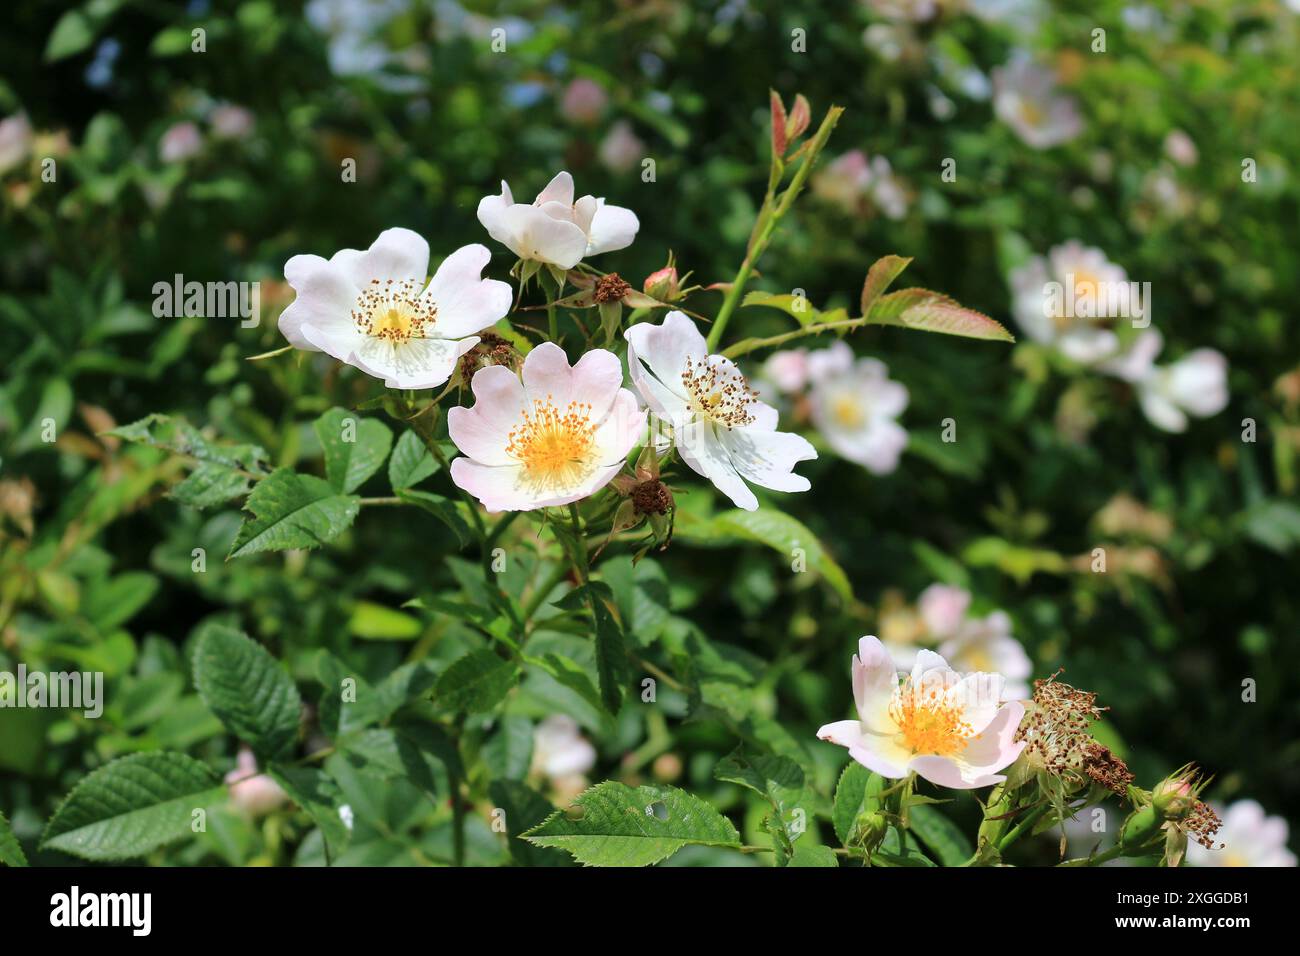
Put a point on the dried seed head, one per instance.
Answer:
(492, 349)
(610, 288)
(652, 498)
(1105, 769)
(1056, 729)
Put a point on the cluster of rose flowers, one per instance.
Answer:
(548, 433)
(543, 432)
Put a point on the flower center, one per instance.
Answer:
(928, 721)
(556, 449)
(718, 393)
(847, 412)
(1031, 113)
(392, 310)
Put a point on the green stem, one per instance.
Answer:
(581, 562)
(558, 574)
(382, 501)
(552, 322)
(1024, 826)
(770, 215)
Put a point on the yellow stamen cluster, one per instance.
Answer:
(556, 449)
(719, 393)
(847, 411)
(392, 310)
(929, 722)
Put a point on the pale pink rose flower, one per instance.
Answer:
(15, 141)
(1180, 148)
(584, 101)
(231, 122)
(621, 149)
(954, 731)
(554, 228)
(180, 142)
(787, 370)
(721, 428)
(373, 309)
(1248, 837)
(254, 793)
(548, 436)
(943, 608)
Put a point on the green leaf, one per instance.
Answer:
(210, 485)
(633, 826)
(411, 463)
(934, 312)
(778, 779)
(444, 509)
(509, 751)
(288, 511)
(773, 528)
(247, 689)
(181, 438)
(354, 447)
(858, 791)
(796, 306)
(611, 652)
(375, 622)
(813, 854)
(475, 683)
(77, 29)
(420, 753)
(943, 837)
(11, 852)
(319, 796)
(132, 806)
(571, 674)
(880, 276)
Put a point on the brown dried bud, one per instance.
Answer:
(652, 498)
(610, 288)
(492, 349)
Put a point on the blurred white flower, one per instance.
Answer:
(1197, 385)
(353, 27)
(1249, 838)
(180, 142)
(1026, 99)
(855, 183)
(555, 229)
(1180, 148)
(560, 750)
(254, 793)
(986, 644)
(621, 149)
(1046, 321)
(854, 405)
(15, 141)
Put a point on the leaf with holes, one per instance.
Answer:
(132, 806)
(247, 689)
(613, 824)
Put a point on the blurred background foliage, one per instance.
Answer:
(221, 165)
